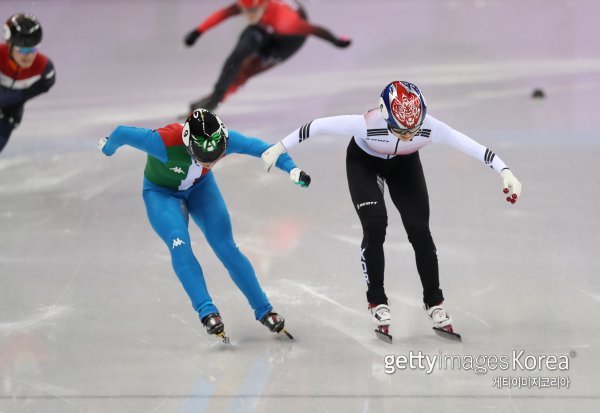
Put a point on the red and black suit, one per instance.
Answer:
(279, 34)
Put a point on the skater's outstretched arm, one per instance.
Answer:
(146, 140)
(210, 22)
(344, 125)
(246, 145)
(325, 34)
(288, 21)
(239, 143)
(449, 136)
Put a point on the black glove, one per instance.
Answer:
(191, 37)
(304, 179)
(342, 42)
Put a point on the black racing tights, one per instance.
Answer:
(5, 132)
(268, 50)
(408, 191)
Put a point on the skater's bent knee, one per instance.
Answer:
(223, 247)
(374, 232)
(420, 238)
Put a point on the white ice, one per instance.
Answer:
(93, 319)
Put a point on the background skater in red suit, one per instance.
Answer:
(277, 29)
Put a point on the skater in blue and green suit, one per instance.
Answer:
(177, 181)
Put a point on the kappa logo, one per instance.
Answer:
(177, 170)
(359, 206)
(177, 242)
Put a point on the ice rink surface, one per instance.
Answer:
(93, 319)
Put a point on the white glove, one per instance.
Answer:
(102, 143)
(299, 177)
(512, 186)
(271, 155)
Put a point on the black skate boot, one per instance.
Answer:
(275, 323)
(214, 326)
(208, 102)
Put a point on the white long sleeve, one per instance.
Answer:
(344, 125)
(449, 136)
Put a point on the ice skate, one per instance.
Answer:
(275, 323)
(381, 317)
(208, 102)
(442, 322)
(214, 326)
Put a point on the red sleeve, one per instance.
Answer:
(218, 16)
(284, 20)
(171, 134)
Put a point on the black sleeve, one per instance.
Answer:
(43, 84)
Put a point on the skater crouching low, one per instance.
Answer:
(178, 184)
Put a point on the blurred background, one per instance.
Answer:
(93, 319)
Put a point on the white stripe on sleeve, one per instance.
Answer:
(344, 125)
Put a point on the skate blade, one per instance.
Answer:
(223, 337)
(284, 331)
(383, 336)
(447, 334)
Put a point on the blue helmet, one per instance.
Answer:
(402, 106)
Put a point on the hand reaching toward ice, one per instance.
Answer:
(512, 186)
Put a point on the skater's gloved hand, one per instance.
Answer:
(300, 177)
(103, 148)
(191, 37)
(512, 186)
(271, 155)
(342, 42)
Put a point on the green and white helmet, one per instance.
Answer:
(205, 136)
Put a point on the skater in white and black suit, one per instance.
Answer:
(384, 149)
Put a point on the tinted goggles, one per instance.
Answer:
(26, 50)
